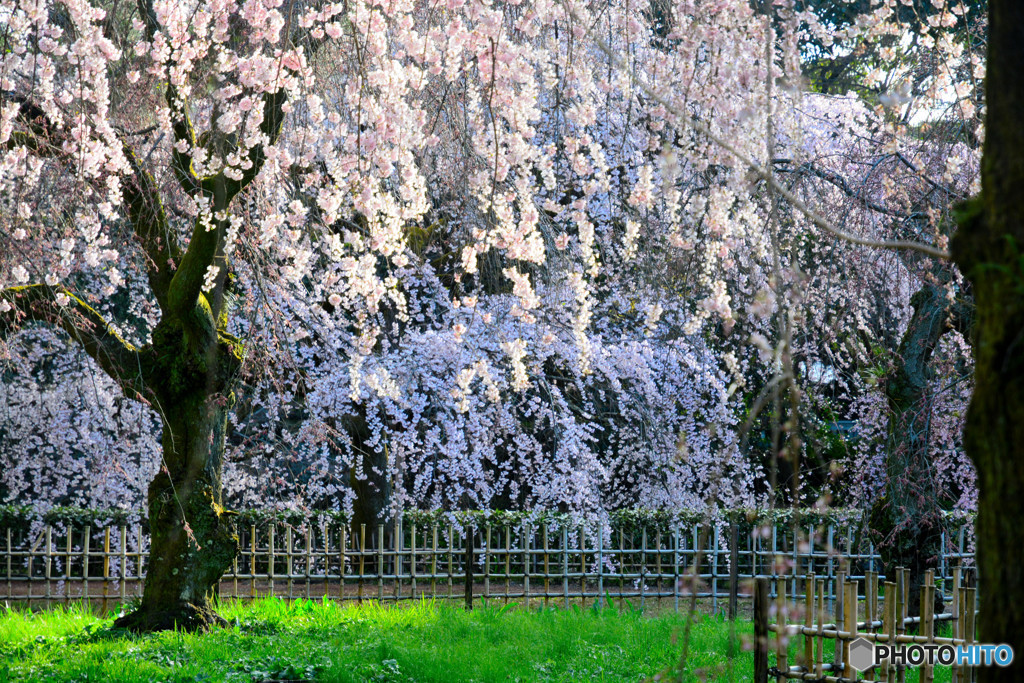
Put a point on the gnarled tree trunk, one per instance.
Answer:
(193, 542)
(907, 521)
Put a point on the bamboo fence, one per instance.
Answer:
(527, 563)
(801, 623)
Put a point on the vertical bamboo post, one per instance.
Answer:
(85, 560)
(643, 565)
(48, 561)
(380, 563)
(781, 624)
(451, 553)
(833, 591)
(234, 576)
(309, 556)
(851, 625)
(583, 569)
(734, 569)
(714, 570)
(761, 630)
(676, 535)
(657, 566)
(527, 562)
(106, 568)
(270, 556)
(362, 562)
(67, 565)
(622, 565)
(124, 561)
(487, 562)
(901, 615)
(819, 646)
(433, 559)
(9, 548)
(507, 530)
(138, 557)
(547, 569)
(398, 544)
(470, 534)
(840, 613)
(252, 561)
(889, 626)
(809, 586)
(871, 600)
(565, 563)
(928, 621)
(412, 562)
(342, 540)
(289, 542)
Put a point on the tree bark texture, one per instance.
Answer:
(193, 542)
(989, 248)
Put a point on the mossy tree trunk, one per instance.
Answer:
(190, 369)
(990, 250)
(192, 540)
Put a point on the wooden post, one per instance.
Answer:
(67, 566)
(85, 561)
(48, 561)
(547, 572)
(851, 624)
(309, 556)
(106, 568)
(809, 586)
(412, 561)
(487, 562)
(288, 557)
(362, 563)
(819, 648)
(252, 560)
(928, 621)
(761, 630)
(270, 560)
(341, 559)
(470, 534)
(380, 563)
(889, 627)
(124, 564)
(734, 569)
(840, 612)
(781, 623)
(527, 541)
(565, 564)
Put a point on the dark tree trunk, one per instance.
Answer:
(907, 521)
(192, 539)
(990, 249)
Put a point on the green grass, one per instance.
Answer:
(272, 640)
(423, 642)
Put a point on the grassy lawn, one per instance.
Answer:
(273, 640)
(310, 640)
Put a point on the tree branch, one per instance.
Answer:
(39, 303)
(149, 220)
